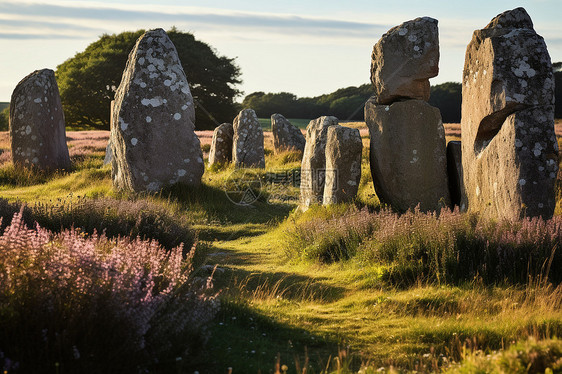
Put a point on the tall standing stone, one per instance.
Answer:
(343, 164)
(37, 128)
(408, 150)
(285, 135)
(221, 145)
(152, 138)
(404, 59)
(509, 148)
(408, 154)
(313, 166)
(247, 144)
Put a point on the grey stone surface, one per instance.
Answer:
(404, 59)
(313, 166)
(247, 145)
(221, 145)
(509, 148)
(454, 172)
(108, 152)
(152, 137)
(285, 135)
(408, 154)
(343, 164)
(37, 128)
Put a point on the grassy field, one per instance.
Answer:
(298, 122)
(281, 304)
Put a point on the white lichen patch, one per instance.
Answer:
(177, 116)
(134, 141)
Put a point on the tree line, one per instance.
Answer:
(87, 84)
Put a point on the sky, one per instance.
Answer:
(306, 47)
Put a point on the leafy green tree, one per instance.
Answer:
(345, 103)
(5, 119)
(87, 81)
(448, 98)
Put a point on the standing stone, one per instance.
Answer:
(285, 135)
(509, 148)
(404, 59)
(221, 145)
(37, 128)
(343, 164)
(108, 153)
(247, 145)
(152, 138)
(454, 172)
(313, 166)
(408, 154)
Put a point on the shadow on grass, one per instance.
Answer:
(218, 207)
(249, 342)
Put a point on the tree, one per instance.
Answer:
(87, 81)
(345, 103)
(4, 119)
(448, 98)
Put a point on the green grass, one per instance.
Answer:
(281, 310)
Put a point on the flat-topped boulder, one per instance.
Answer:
(221, 145)
(313, 165)
(509, 148)
(37, 128)
(152, 135)
(408, 154)
(343, 164)
(247, 144)
(404, 59)
(286, 136)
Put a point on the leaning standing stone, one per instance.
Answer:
(509, 148)
(247, 145)
(404, 59)
(37, 132)
(285, 135)
(343, 164)
(313, 166)
(408, 154)
(152, 136)
(221, 145)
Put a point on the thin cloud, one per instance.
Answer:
(202, 19)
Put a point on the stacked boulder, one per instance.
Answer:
(221, 145)
(247, 144)
(509, 148)
(408, 150)
(285, 135)
(37, 128)
(153, 141)
(343, 164)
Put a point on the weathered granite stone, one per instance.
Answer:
(221, 145)
(152, 138)
(37, 129)
(408, 154)
(313, 166)
(247, 144)
(285, 135)
(108, 153)
(509, 147)
(454, 172)
(404, 59)
(343, 164)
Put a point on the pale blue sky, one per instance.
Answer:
(304, 47)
